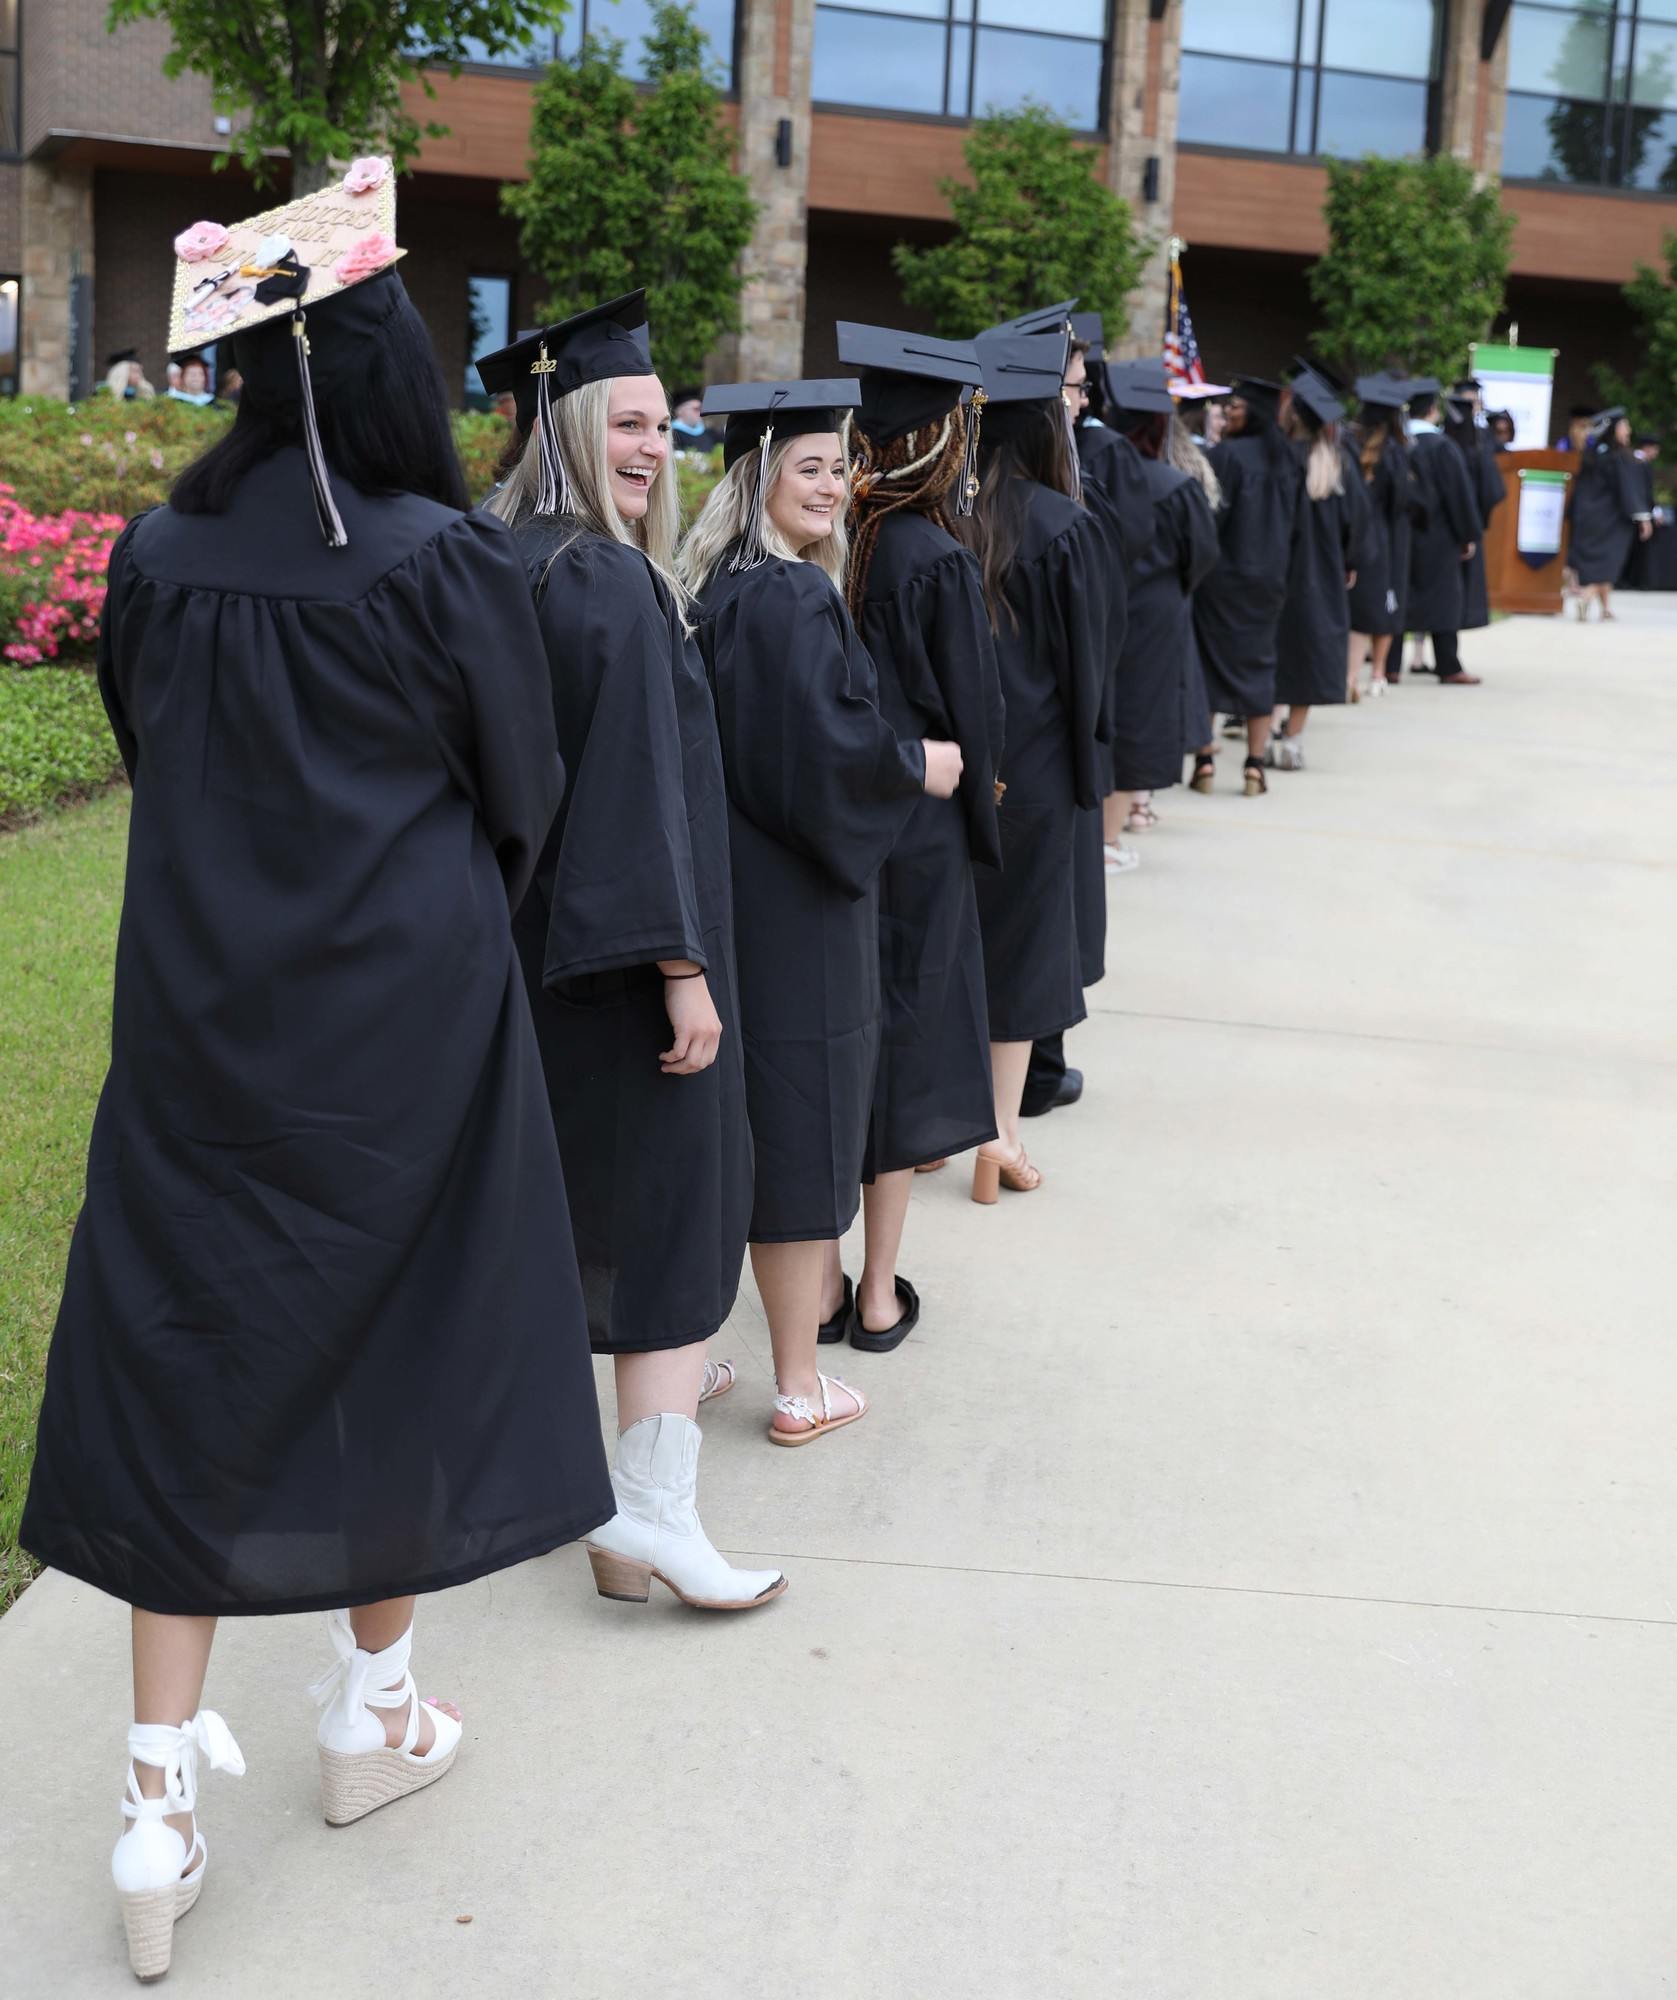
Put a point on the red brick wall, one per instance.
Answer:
(79, 79)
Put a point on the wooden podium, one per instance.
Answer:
(1513, 583)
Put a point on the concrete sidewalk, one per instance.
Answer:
(1255, 1581)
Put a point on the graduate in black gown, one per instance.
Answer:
(916, 598)
(820, 786)
(1472, 438)
(1314, 633)
(1151, 696)
(1610, 508)
(1379, 595)
(1042, 556)
(1445, 539)
(321, 1342)
(626, 936)
(1237, 608)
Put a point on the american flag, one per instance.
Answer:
(1182, 354)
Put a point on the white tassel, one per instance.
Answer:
(553, 490)
(325, 507)
(751, 551)
(967, 498)
(1071, 446)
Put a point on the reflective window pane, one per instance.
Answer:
(1390, 37)
(1558, 54)
(1240, 28)
(1554, 139)
(934, 10)
(1048, 17)
(1304, 112)
(960, 72)
(9, 360)
(1654, 80)
(1235, 104)
(488, 325)
(1645, 155)
(883, 64)
(1367, 114)
(1064, 75)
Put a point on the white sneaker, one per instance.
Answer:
(1286, 753)
(1120, 860)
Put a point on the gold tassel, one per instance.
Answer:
(967, 498)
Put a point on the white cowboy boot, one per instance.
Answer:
(656, 1532)
(157, 1877)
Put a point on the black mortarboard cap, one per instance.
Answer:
(1087, 327)
(1420, 391)
(1469, 385)
(1139, 386)
(1307, 364)
(1577, 410)
(1262, 394)
(1604, 420)
(593, 346)
(793, 409)
(1317, 397)
(907, 379)
(1383, 392)
(1023, 367)
(1040, 319)
(117, 360)
(1643, 438)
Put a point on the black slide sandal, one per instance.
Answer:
(893, 1336)
(833, 1330)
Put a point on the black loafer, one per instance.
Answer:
(833, 1330)
(1067, 1091)
(893, 1336)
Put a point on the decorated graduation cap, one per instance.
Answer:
(910, 380)
(1382, 392)
(759, 412)
(1088, 328)
(1316, 397)
(598, 345)
(1139, 387)
(317, 255)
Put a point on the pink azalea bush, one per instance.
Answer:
(52, 581)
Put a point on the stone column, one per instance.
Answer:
(57, 243)
(1473, 93)
(776, 42)
(1146, 72)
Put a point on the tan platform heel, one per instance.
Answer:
(157, 1876)
(359, 1772)
(990, 1176)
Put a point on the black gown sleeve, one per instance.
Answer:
(479, 649)
(1186, 518)
(810, 759)
(623, 891)
(118, 573)
(1455, 493)
(1359, 511)
(1073, 630)
(1627, 472)
(961, 653)
(1492, 488)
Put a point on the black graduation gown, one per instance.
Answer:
(1607, 495)
(1473, 441)
(1237, 608)
(819, 789)
(1313, 638)
(1052, 652)
(926, 631)
(1437, 573)
(322, 1340)
(1378, 597)
(1152, 714)
(657, 1168)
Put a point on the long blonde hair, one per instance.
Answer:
(723, 522)
(1185, 452)
(1324, 469)
(581, 420)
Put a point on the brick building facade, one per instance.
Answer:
(1209, 116)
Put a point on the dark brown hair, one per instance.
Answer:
(1020, 443)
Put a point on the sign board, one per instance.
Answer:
(1520, 380)
(1541, 527)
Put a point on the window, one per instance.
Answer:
(962, 58)
(1310, 76)
(488, 327)
(11, 88)
(627, 21)
(1592, 93)
(11, 359)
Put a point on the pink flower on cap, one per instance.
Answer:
(366, 175)
(201, 241)
(365, 259)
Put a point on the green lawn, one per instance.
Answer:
(60, 893)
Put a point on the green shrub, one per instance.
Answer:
(55, 740)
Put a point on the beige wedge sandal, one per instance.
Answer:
(158, 1878)
(359, 1772)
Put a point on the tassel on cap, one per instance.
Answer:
(325, 507)
(553, 490)
(1071, 447)
(967, 498)
(751, 551)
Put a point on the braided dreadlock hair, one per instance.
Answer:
(917, 472)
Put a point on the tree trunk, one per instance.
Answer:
(310, 176)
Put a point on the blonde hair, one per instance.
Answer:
(723, 521)
(580, 422)
(1185, 452)
(1324, 471)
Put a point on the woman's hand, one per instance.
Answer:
(943, 767)
(693, 1016)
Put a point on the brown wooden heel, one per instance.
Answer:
(986, 1181)
(618, 1577)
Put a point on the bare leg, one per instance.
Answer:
(1355, 653)
(1605, 599)
(648, 1384)
(1381, 647)
(1115, 809)
(1257, 735)
(789, 1282)
(1296, 719)
(171, 1656)
(884, 1212)
(1008, 1063)
(379, 1625)
(832, 1281)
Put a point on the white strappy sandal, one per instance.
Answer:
(819, 1426)
(719, 1379)
(359, 1772)
(157, 1879)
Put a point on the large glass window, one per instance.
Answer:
(627, 21)
(10, 348)
(11, 93)
(488, 327)
(1310, 76)
(961, 58)
(1592, 93)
